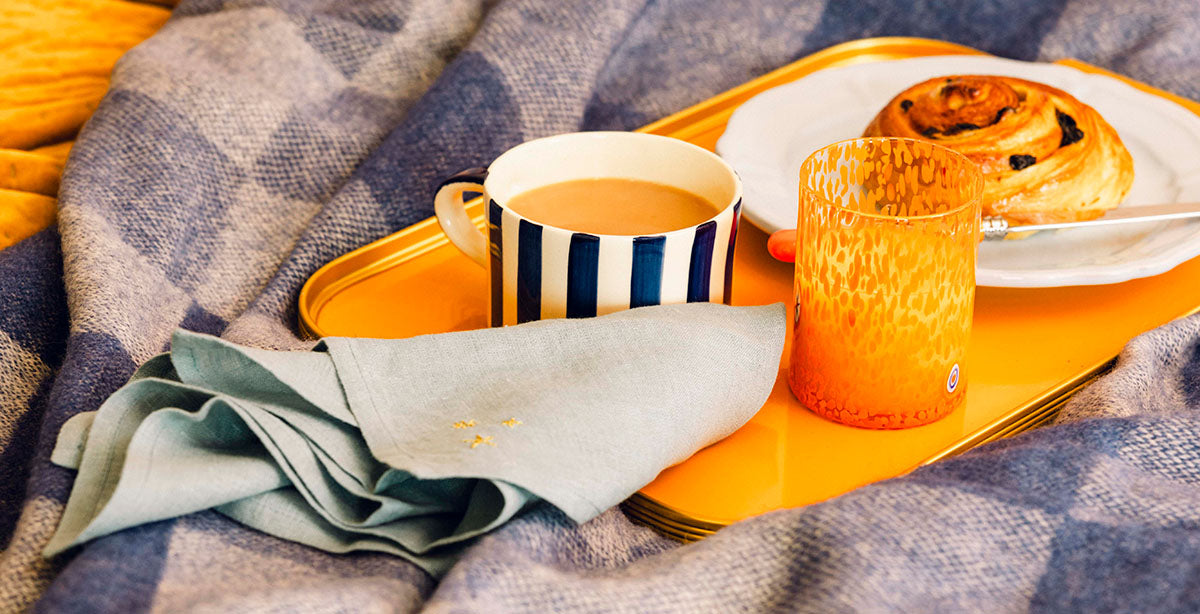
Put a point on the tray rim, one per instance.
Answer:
(1033, 414)
(426, 235)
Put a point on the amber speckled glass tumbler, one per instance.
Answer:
(885, 281)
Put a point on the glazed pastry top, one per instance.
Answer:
(1045, 156)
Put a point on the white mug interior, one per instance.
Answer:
(626, 155)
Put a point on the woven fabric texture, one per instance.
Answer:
(251, 141)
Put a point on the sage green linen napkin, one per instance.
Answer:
(415, 446)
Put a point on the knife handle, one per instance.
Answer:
(782, 245)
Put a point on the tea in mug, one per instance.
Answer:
(613, 206)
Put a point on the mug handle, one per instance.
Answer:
(451, 213)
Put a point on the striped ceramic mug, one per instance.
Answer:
(539, 271)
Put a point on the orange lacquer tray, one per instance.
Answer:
(1030, 349)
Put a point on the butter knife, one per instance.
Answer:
(998, 228)
(782, 243)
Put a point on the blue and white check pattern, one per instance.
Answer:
(253, 140)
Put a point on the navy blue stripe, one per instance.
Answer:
(645, 286)
(496, 247)
(737, 210)
(583, 265)
(841, 21)
(700, 269)
(529, 272)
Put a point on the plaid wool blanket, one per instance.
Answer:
(251, 141)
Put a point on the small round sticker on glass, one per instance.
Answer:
(952, 379)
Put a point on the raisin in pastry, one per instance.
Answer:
(1046, 157)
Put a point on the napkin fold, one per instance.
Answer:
(415, 446)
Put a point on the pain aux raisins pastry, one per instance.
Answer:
(1046, 157)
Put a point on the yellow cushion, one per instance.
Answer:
(23, 214)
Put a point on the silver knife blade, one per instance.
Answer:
(997, 227)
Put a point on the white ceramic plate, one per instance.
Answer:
(771, 134)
